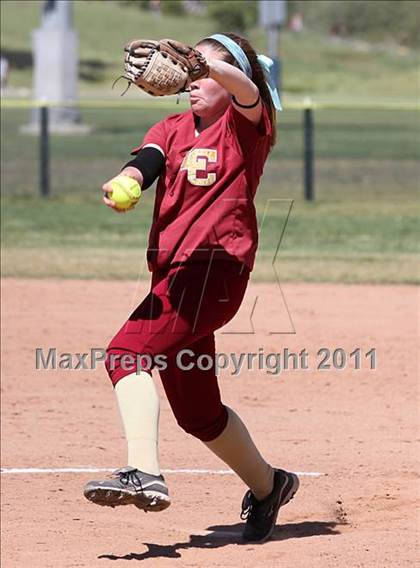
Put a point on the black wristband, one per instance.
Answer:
(246, 106)
(150, 162)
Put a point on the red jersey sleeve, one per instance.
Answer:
(155, 136)
(247, 133)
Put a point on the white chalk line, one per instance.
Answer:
(33, 470)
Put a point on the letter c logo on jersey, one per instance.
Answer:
(196, 161)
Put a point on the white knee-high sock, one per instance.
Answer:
(235, 447)
(139, 407)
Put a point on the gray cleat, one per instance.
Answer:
(130, 486)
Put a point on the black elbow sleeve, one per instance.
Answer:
(150, 162)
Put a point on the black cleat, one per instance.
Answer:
(261, 516)
(130, 486)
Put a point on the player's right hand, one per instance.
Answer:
(106, 188)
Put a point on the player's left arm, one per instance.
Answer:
(245, 94)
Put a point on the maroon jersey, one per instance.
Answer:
(204, 205)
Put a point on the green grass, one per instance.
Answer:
(313, 65)
(372, 151)
(347, 242)
(362, 227)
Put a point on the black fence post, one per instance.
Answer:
(308, 157)
(44, 153)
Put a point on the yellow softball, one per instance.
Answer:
(126, 192)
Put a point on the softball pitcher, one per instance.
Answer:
(202, 246)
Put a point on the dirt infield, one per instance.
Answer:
(356, 427)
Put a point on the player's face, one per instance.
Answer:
(207, 97)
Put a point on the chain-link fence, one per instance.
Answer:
(361, 225)
(353, 151)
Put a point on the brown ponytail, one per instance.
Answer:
(257, 73)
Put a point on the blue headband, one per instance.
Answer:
(266, 63)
